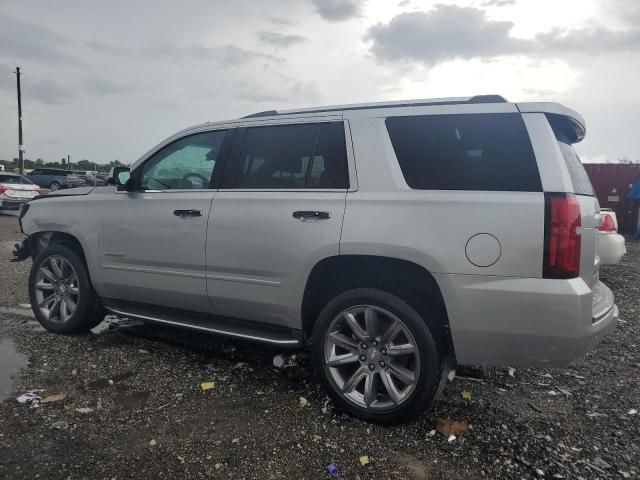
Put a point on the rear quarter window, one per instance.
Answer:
(465, 152)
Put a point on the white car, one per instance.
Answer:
(14, 191)
(611, 246)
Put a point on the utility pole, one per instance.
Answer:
(20, 146)
(68, 162)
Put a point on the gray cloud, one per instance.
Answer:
(281, 40)
(499, 3)
(101, 47)
(41, 90)
(102, 87)
(223, 55)
(449, 32)
(338, 10)
(25, 40)
(446, 32)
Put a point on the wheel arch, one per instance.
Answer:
(407, 280)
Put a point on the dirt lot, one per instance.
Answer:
(147, 417)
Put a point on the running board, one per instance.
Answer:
(215, 325)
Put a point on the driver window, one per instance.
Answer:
(185, 164)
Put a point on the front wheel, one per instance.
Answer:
(61, 294)
(376, 356)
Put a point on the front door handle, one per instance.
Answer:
(311, 214)
(187, 213)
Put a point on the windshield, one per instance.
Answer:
(15, 180)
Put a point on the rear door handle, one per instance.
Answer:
(311, 214)
(187, 213)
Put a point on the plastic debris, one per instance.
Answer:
(451, 375)
(74, 372)
(30, 398)
(53, 398)
(432, 433)
(285, 361)
(364, 460)
(512, 372)
(84, 410)
(152, 443)
(333, 470)
(304, 402)
(24, 305)
(235, 440)
(207, 386)
(449, 427)
(451, 438)
(61, 425)
(466, 395)
(141, 350)
(633, 411)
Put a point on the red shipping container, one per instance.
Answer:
(612, 183)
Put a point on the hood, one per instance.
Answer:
(71, 192)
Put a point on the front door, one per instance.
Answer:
(278, 215)
(152, 242)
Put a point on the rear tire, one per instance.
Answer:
(54, 186)
(61, 295)
(369, 372)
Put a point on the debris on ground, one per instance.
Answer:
(333, 470)
(449, 427)
(364, 460)
(84, 410)
(466, 395)
(304, 402)
(60, 425)
(152, 442)
(207, 386)
(285, 361)
(31, 398)
(53, 398)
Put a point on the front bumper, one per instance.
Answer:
(526, 322)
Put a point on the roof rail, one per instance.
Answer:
(401, 103)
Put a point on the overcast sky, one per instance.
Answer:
(109, 79)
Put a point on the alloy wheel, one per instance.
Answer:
(56, 289)
(372, 357)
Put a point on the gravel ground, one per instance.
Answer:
(148, 416)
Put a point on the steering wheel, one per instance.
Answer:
(205, 180)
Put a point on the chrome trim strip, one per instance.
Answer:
(227, 278)
(152, 270)
(206, 329)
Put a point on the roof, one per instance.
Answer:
(399, 103)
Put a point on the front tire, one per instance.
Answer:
(376, 356)
(62, 298)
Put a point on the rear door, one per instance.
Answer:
(279, 212)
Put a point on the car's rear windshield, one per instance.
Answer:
(14, 179)
(490, 152)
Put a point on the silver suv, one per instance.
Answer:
(399, 239)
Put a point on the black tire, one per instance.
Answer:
(87, 313)
(431, 368)
(54, 186)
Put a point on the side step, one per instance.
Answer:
(213, 324)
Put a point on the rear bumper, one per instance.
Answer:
(611, 248)
(525, 322)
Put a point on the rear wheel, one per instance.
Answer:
(61, 294)
(54, 186)
(376, 356)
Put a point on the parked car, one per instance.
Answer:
(90, 178)
(54, 179)
(15, 190)
(611, 245)
(398, 238)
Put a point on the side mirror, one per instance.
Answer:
(119, 176)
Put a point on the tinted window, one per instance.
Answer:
(187, 163)
(14, 179)
(294, 156)
(579, 177)
(465, 152)
(36, 172)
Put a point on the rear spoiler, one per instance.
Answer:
(567, 124)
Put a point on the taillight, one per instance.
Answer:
(608, 225)
(561, 236)
(3, 189)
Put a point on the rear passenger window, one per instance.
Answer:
(465, 152)
(294, 156)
